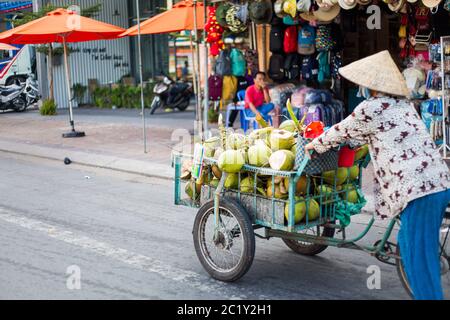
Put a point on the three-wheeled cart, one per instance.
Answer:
(228, 220)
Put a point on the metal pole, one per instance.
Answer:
(73, 134)
(141, 76)
(206, 62)
(199, 93)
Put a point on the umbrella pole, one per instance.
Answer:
(206, 106)
(141, 75)
(199, 84)
(73, 133)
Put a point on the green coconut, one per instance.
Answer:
(350, 194)
(247, 185)
(259, 154)
(302, 185)
(214, 183)
(353, 173)
(341, 175)
(210, 146)
(232, 181)
(361, 152)
(282, 160)
(325, 191)
(236, 141)
(261, 134)
(313, 210)
(288, 125)
(294, 149)
(281, 140)
(299, 212)
(280, 192)
(231, 161)
(190, 187)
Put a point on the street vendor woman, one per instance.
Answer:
(411, 178)
(257, 99)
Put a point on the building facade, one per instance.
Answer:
(108, 61)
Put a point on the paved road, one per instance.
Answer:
(130, 242)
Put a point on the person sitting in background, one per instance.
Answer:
(257, 100)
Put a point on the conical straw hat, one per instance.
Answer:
(377, 72)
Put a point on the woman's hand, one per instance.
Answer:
(308, 148)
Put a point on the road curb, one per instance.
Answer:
(91, 165)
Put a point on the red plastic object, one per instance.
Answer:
(314, 130)
(346, 157)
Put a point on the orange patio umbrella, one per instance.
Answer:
(7, 47)
(179, 18)
(62, 26)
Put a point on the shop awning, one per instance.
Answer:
(11, 6)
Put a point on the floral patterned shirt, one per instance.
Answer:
(407, 163)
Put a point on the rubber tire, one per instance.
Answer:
(313, 249)
(182, 107)
(247, 232)
(24, 107)
(156, 104)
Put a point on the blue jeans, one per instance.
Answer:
(419, 244)
(265, 109)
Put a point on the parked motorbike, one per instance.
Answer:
(13, 97)
(32, 91)
(171, 94)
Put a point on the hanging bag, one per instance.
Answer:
(238, 63)
(276, 39)
(292, 66)
(223, 63)
(215, 85)
(276, 67)
(290, 40)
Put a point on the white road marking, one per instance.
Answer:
(136, 260)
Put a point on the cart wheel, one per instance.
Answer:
(228, 253)
(307, 248)
(445, 262)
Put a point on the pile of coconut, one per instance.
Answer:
(275, 149)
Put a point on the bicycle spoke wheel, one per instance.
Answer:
(226, 251)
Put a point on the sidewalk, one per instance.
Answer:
(114, 139)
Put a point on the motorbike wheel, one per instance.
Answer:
(20, 105)
(156, 104)
(183, 105)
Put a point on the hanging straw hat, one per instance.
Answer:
(377, 72)
(308, 16)
(327, 13)
(431, 3)
(347, 4)
(396, 5)
(303, 5)
(221, 13)
(261, 11)
(278, 8)
(242, 13)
